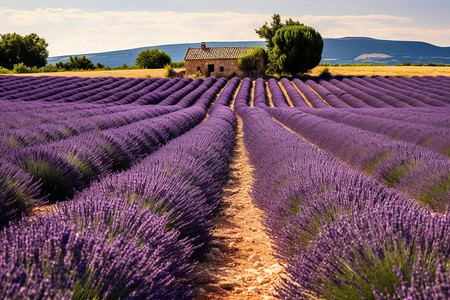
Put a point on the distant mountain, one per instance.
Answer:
(367, 50)
(348, 50)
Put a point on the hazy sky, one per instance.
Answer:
(83, 26)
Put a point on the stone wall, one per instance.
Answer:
(223, 67)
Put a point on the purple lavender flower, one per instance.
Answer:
(18, 193)
(58, 178)
(378, 252)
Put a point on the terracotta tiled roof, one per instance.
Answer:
(216, 53)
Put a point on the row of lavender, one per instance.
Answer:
(342, 234)
(76, 146)
(428, 128)
(399, 163)
(354, 92)
(101, 90)
(340, 92)
(33, 123)
(61, 167)
(133, 234)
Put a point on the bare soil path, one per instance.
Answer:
(241, 264)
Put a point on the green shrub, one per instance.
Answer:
(195, 75)
(234, 74)
(248, 62)
(178, 64)
(5, 71)
(325, 73)
(170, 73)
(21, 68)
(51, 68)
(81, 63)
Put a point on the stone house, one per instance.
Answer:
(214, 61)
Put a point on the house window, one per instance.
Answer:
(221, 69)
(198, 69)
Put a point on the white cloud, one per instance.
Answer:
(71, 31)
(75, 31)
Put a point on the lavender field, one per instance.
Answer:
(109, 185)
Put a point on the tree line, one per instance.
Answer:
(29, 53)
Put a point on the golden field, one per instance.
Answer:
(139, 73)
(383, 71)
(335, 71)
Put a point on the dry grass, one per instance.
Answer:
(139, 73)
(383, 71)
(335, 71)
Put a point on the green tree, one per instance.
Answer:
(81, 63)
(76, 63)
(297, 49)
(153, 59)
(248, 62)
(31, 50)
(60, 65)
(267, 32)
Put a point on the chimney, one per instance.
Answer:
(203, 46)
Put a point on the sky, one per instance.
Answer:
(90, 26)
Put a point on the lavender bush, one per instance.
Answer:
(385, 253)
(18, 193)
(395, 163)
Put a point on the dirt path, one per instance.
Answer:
(288, 100)
(241, 265)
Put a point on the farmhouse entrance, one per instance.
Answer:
(210, 69)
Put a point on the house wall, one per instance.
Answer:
(229, 66)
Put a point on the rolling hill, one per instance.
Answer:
(348, 50)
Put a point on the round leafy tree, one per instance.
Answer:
(297, 49)
(31, 50)
(267, 31)
(152, 59)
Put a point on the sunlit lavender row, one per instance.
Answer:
(340, 233)
(136, 216)
(339, 92)
(413, 169)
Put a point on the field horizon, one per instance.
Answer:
(407, 71)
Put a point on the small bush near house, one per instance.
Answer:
(248, 62)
